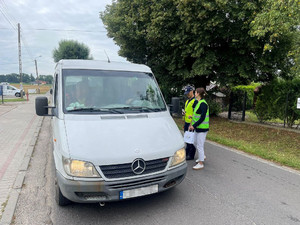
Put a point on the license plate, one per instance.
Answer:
(139, 192)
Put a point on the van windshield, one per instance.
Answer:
(99, 91)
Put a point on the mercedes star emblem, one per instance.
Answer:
(138, 166)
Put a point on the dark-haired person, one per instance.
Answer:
(188, 113)
(200, 124)
(78, 97)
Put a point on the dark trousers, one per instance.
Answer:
(190, 148)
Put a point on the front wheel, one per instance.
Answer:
(18, 94)
(60, 199)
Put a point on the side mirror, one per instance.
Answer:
(41, 106)
(51, 91)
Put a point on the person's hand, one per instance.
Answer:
(190, 117)
(191, 128)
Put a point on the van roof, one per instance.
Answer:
(101, 65)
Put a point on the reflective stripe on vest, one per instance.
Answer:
(196, 117)
(188, 108)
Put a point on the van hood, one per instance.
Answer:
(105, 140)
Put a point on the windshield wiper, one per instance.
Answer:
(95, 110)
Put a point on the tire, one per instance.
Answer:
(60, 199)
(18, 94)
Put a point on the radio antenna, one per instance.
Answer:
(107, 56)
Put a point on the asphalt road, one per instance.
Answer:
(233, 188)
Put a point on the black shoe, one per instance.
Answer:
(189, 157)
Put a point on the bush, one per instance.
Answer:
(238, 96)
(272, 101)
(214, 107)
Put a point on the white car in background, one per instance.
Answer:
(10, 90)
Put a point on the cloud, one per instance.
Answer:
(44, 24)
(43, 11)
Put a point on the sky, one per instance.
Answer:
(45, 23)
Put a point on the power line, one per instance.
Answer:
(15, 63)
(11, 15)
(58, 30)
(6, 17)
(69, 30)
(26, 46)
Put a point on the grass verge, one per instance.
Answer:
(251, 117)
(13, 100)
(277, 145)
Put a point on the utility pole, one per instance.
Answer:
(37, 76)
(20, 59)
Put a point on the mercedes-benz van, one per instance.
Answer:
(113, 134)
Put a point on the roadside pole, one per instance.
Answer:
(1, 93)
(286, 108)
(20, 59)
(244, 106)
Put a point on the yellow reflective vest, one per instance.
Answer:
(188, 108)
(196, 117)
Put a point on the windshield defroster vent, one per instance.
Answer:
(137, 116)
(123, 117)
(112, 117)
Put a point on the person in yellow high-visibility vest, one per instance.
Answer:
(188, 113)
(200, 124)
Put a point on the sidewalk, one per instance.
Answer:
(19, 129)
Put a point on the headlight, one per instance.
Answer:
(78, 168)
(178, 157)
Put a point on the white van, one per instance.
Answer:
(10, 90)
(113, 134)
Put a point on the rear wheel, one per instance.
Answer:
(60, 199)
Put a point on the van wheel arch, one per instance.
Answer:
(60, 199)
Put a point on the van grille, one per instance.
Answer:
(137, 183)
(124, 170)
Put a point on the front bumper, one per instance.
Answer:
(104, 191)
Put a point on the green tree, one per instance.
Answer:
(279, 100)
(277, 25)
(2, 78)
(47, 78)
(13, 78)
(25, 78)
(70, 49)
(194, 41)
(32, 79)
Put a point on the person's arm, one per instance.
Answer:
(195, 103)
(201, 110)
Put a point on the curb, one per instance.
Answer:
(10, 208)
